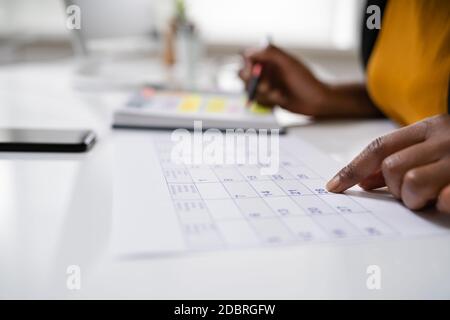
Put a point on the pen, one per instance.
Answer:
(255, 78)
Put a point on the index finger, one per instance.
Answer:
(370, 159)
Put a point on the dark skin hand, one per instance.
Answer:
(413, 162)
(287, 82)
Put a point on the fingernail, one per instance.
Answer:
(333, 184)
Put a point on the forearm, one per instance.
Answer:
(349, 100)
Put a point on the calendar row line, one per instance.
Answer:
(234, 173)
(221, 223)
(312, 201)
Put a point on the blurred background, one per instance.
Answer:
(324, 33)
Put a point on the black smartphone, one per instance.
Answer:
(46, 140)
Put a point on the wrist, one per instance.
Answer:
(326, 99)
(348, 100)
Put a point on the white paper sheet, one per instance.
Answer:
(163, 207)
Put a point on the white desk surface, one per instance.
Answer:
(55, 211)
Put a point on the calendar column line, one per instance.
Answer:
(209, 212)
(295, 157)
(180, 223)
(351, 199)
(373, 215)
(308, 216)
(276, 215)
(237, 206)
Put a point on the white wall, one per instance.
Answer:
(43, 17)
(300, 23)
(323, 24)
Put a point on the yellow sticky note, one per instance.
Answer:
(216, 105)
(257, 108)
(190, 104)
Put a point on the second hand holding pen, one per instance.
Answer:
(255, 77)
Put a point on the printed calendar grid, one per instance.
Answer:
(209, 232)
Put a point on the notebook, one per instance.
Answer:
(155, 109)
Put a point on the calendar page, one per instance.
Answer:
(164, 206)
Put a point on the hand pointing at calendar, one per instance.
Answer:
(413, 162)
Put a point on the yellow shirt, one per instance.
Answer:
(408, 70)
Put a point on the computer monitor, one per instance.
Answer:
(101, 19)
